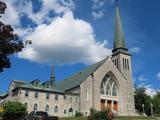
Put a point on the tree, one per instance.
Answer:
(156, 104)
(10, 43)
(14, 111)
(142, 98)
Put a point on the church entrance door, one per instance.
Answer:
(103, 104)
(115, 105)
(109, 104)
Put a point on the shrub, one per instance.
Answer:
(14, 111)
(101, 115)
(1, 111)
(78, 114)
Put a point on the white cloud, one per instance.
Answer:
(11, 16)
(149, 89)
(135, 50)
(158, 76)
(142, 78)
(17, 8)
(97, 4)
(65, 40)
(60, 38)
(98, 15)
(98, 8)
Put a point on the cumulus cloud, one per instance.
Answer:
(65, 40)
(56, 35)
(158, 76)
(135, 50)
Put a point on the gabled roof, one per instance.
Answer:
(35, 80)
(76, 79)
(46, 82)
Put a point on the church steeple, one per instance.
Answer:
(119, 39)
(52, 80)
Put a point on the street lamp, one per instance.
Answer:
(143, 109)
(151, 109)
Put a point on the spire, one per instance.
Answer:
(119, 40)
(52, 80)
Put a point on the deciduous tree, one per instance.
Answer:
(10, 43)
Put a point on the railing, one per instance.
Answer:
(7, 99)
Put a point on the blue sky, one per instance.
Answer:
(73, 34)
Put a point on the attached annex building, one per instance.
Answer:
(106, 83)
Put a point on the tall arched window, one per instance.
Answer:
(47, 108)
(56, 109)
(35, 107)
(109, 87)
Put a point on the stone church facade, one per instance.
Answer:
(107, 83)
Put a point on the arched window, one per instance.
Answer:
(65, 111)
(47, 108)
(70, 112)
(56, 109)
(109, 87)
(35, 108)
(36, 83)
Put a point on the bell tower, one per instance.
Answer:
(120, 54)
(122, 60)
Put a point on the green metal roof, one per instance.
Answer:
(76, 79)
(71, 82)
(30, 85)
(3, 94)
(119, 40)
(40, 87)
(19, 82)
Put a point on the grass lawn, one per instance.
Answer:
(133, 118)
(116, 118)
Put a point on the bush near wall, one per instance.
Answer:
(14, 111)
(101, 115)
(78, 114)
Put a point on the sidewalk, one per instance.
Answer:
(157, 118)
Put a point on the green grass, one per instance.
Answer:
(116, 118)
(74, 118)
(133, 118)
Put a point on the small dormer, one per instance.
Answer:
(46, 84)
(36, 82)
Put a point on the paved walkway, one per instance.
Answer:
(157, 118)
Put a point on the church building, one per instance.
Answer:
(107, 83)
